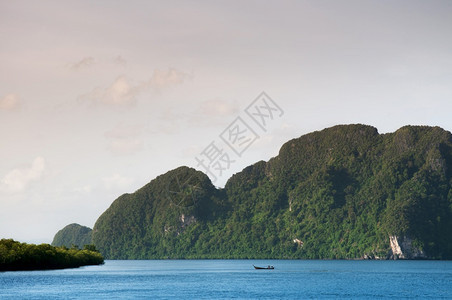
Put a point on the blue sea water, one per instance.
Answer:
(234, 279)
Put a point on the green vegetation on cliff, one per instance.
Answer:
(151, 222)
(73, 235)
(336, 193)
(15, 256)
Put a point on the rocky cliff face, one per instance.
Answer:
(403, 248)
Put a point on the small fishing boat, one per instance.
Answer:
(264, 268)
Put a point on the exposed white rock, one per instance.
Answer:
(186, 220)
(402, 247)
(167, 229)
(299, 242)
(395, 247)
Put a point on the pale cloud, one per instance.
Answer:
(83, 189)
(18, 179)
(125, 146)
(168, 122)
(218, 107)
(207, 113)
(123, 91)
(120, 93)
(89, 62)
(214, 111)
(122, 131)
(86, 62)
(117, 181)
(10, 102)
(171, 77)
(119, 60)
(125, 139)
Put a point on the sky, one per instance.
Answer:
(97, 98)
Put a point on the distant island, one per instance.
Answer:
(72, 234)
(346, 192)
(16, 256)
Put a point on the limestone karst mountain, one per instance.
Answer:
(343, 192)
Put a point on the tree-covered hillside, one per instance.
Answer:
(160, 219)
(73, 235)
(343, 192)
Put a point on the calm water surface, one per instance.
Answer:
(236, 279)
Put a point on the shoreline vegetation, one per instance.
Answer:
(17, 256)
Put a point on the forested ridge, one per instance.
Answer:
(342, 193)
(73, 235)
